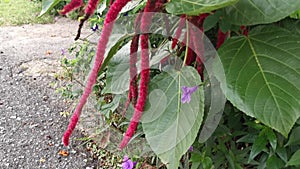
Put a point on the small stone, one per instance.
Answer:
(45, 98)
(19, 118)
(13, 117)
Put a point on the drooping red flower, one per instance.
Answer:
(74, 4)
(145, 74)
(111, 16)
(92, 4)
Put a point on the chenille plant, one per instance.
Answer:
(179, 65)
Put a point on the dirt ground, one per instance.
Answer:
(31, 126)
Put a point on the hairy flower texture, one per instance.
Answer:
(74, 4)
(221, 38)
(133, 87)
(92, 4)
(178, 31)
(186, 93)
(133, 69)
(145, 74)
(104, 37)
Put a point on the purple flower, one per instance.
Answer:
(191, 148)
(63, 52)
(127, 163)
(186, 93)
(95, 27)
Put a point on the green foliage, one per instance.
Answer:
(169, 125)
(265, 83)
(252, 12)
(196, 7)
(18, 12)
(258, 128)
(48, 5)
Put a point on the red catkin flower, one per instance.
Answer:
(74, 4)
(92, 4)
(221, 38)
(178, 31)
(145, 74)
(133, 88)
(133, 69)
(104, 37)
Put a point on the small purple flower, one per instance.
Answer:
(186, 93)
(95, 27)
(191, 148)
(63, 52)
(127, 163)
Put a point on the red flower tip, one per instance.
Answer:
(92, 4)
(71, 6)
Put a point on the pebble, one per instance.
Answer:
(13, 117)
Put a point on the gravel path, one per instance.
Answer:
(31, 126)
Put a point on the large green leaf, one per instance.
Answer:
(295, 159)
(169, 125)
(47, 5)
(263, 76)
(251, 12)
(196, 7)
(118, 68)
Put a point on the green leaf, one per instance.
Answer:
(295, 159)
(281, 152)
(258, 146)
(170, 126)
(252, 12)
(295, 15)
(274, 163)
(196, 7)
(130, 5)
(115, 41)
(291, 25)
(118, 67)
(262, 76)
(294, 137)
(47, 5)
(211, 20)
(271, 137)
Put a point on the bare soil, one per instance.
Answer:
(31, 126)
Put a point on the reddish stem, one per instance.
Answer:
(178, 31)
(244, 30)
(221, 38)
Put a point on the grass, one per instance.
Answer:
(19, 12)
